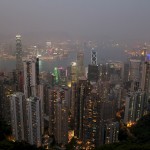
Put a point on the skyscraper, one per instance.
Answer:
(90, 119)
(93, 57)
(73, 72)
(58, 114)
(135, 74)
(19, 64)
(31, 76)
(83, 89)
(93, 70)
(80, 63)
(93, 73)
(134, 107)
(33, 116)
(17, 107)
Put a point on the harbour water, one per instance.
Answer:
(48, 65)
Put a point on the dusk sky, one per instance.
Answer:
(93, 18)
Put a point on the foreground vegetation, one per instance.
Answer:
(139, 141)
(6, 140)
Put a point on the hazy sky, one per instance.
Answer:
(93, 18)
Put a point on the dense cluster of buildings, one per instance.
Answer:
(79, 102)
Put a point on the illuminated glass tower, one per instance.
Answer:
(19, 64)
(56, 74)
(73, 72)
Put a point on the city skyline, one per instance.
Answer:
(77, 75)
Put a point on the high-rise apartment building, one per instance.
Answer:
(134, 106)
(58, 114)
(91, 119)
(111, 132)
(135, 74)
(18, 120)
(83, 88)
(33, 116)
(61, 121)
(31, 76)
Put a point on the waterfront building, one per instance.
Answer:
(19, 64)
(73, 72)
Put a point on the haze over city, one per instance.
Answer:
(86, 19)
(74, 74)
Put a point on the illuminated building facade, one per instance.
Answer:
(93, 73)
(83, 89)
(145, 82)
(33, 116)
(90, 120)
(61, 121)
(73, 98)
(73, 72)
(17, 108)
(115, 71)
(31, 76)
(134, 106)
(56, 75)
(41, 95)
(58, 114)
(111, 132)
(147, 85)
(80, 64)
(19, 64)
(62, 76)
(135, 74)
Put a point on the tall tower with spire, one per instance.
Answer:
(19, 64)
